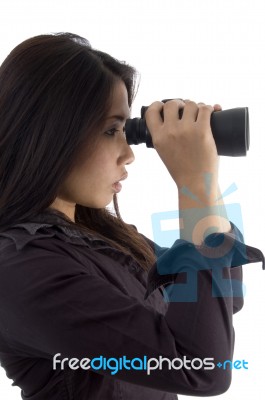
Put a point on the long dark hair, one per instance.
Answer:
(55, 91)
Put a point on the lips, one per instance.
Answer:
(117, 185)
(125, 176)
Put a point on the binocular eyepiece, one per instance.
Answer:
(230, 129)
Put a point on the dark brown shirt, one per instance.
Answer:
(64, 291)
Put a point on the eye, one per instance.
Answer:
(111, 132)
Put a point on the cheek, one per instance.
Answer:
(102, 164)
(92, 170)
(94, 173)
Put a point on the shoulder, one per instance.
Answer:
(57, 249)
(47, 247)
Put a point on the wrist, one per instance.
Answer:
(198, 223)
(197, 197)
(201, 213)
(199, 191)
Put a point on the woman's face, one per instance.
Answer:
(95, 177)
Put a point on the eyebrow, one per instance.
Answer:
(119, 117)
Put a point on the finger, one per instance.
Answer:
(204, 113)
(190, 111)
(153, 115)
(217, 107)
(172, 108)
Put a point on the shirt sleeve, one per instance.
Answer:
(58, 308)
(217, 253)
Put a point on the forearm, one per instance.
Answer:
(201, 213)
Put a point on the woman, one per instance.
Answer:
(77, 284)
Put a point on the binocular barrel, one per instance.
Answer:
(230, 129)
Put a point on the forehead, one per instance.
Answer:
(119, 104)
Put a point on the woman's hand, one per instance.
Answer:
(188, 150)
(185, 145)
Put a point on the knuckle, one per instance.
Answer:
(190, 103)
(156, 104)
(169, 104)
(173, 102)
(205, 107)
(154, 107)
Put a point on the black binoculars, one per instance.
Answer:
(230, 129)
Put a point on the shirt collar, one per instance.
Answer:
(24, 232)
(39, 227)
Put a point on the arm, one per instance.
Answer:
(187, 148)
(56, 300)
(58, 306)
(159, 279)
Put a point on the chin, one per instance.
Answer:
(100, 204)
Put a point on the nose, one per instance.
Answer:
(126, 155)
(131, 156)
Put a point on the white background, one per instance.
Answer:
(207, 50)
